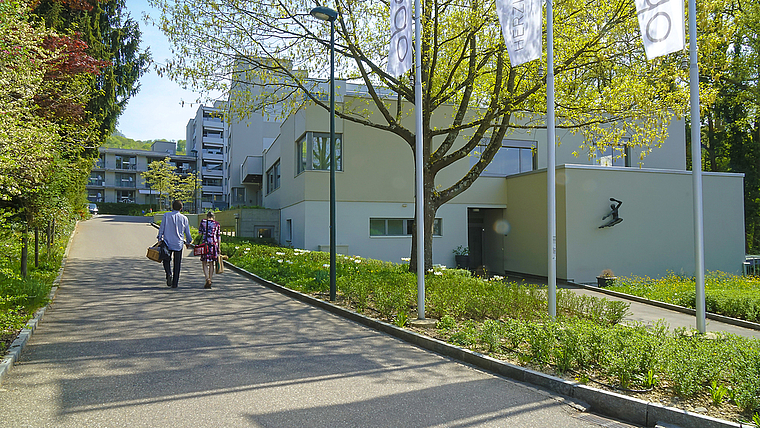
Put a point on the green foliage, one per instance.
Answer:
(725, 294)
(123, 208)
(115, 141)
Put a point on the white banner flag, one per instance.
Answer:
(400, 50)
(521, 25)
(662, 26)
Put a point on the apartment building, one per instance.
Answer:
(117, 176)
(206, 141)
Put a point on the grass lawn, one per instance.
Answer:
(725, 294)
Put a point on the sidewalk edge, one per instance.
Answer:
(14, 352)
(604, 402)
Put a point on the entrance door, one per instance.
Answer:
(484, 239)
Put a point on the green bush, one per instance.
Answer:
(120, 208)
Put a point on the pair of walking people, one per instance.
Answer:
(175, 232)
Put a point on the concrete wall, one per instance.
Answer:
(657, 232)
(249, 221)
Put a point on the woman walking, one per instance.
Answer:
(211, 235)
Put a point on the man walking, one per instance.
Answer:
(173, 226)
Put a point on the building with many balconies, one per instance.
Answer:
(117, 176)
(206, 141)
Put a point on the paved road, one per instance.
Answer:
(120, 349)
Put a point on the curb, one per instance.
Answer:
(715, 317)
(14, 352)
(607, 403)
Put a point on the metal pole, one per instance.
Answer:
(551, 163)
(696, 169)
(419, 163)
(332, 161)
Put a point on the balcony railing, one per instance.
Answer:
(96, 182)
(252, 170)
(128, 167)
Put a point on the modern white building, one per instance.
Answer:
(502, 217)
(282, 165)
(117, 176)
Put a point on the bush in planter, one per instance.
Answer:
(606, 279)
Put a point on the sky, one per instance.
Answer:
(156, 112)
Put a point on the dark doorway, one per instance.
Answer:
(485, 240)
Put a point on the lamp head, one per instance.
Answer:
(324, 13)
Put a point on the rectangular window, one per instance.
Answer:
(96, 179)
(514, 157)
(126, 162)
(95, 195)
(617, 155)
(264, 232)
(273, 177)
(399, 227)
(238, 195)
(124, 180)
(125, 196)
(313, 152)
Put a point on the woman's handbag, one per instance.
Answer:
(219, 264)
(200, 249)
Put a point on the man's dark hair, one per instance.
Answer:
(177, 205)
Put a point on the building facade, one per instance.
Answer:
(502, 216)
(206, 138)
(117, 176)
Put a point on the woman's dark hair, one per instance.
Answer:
(210, 214)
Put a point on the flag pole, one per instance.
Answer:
(551, 164)
(419, 178)
(696, 170)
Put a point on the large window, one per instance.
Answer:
(514, 157)
(273, 177)
(238, 195)
(126, 162)
(96, 179)
(126, 196)
(313, 152)
(124, 180)
(617, 155)
(399, 227)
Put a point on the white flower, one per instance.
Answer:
(430, 270)
(437, 273)
(405, 259)
(279, 261)
(237, 248)
(357, 261)
(497, 278)
(280, 254)
(326, 265)
(248, 249)
(288, 262)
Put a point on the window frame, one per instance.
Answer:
(506, 144)
(407, 226)
(305, 151)
(273, 177)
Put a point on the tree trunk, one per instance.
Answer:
(36, 247)
(24, 252)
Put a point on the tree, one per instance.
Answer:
(264, 53)
(111, 36)
(160, 176)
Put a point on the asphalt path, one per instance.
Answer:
(118, 348)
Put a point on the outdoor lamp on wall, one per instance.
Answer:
(327, 14)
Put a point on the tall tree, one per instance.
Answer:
(264, 51)
(111, 36)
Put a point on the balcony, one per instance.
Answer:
(126, 167)
(212, 190)
(96, 183)
(208, 172)
(213, 156)
(213, 142)
(213, 122)
(252, 171)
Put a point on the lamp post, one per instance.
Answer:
(327, 14)
(195, 182)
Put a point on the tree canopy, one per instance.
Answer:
(266, 52)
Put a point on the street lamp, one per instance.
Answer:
(195, 182)
(327, 14)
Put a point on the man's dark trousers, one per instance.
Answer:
(177, 265)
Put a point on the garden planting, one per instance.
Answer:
(589, 341)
